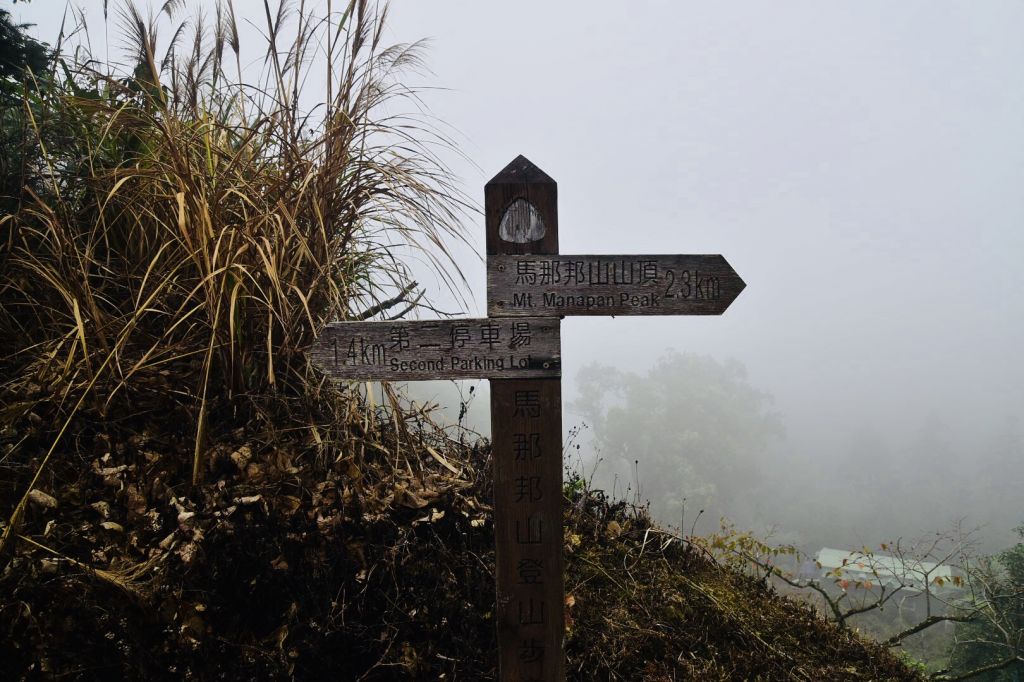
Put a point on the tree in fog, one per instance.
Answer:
(990, 646)
(691, 428)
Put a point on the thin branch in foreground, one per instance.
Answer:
(896, 639)
(999, 665)
(386, 305)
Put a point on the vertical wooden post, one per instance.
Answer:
(526, 425)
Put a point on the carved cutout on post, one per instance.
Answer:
(521, 223)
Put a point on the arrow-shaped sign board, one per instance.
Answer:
(610, 285)
(489, 348)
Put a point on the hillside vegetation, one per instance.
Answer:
(290, 574)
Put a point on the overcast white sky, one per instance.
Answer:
(861, 165)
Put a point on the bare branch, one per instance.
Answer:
(896, 639)
(388, 304)
(1006, 662)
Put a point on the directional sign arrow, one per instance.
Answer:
(423, 350)
(519, 285)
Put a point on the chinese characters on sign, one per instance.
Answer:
(528, 510)
(610, 285)
(441, 349)
(599, 270)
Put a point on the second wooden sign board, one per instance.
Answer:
(423, 350)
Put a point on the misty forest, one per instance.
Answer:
(300, 378)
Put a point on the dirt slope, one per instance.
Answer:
(278, 569)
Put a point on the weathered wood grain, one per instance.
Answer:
(536, 285)
(440, 349)
(521, 180)
(526, 432)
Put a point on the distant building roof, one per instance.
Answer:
(883, 569)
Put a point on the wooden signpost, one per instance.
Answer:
(530, 286)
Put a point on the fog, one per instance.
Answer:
(859, 164)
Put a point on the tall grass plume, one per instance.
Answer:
(181, 236)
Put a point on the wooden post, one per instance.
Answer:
(526, 430)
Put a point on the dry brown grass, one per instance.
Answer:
(188, 235)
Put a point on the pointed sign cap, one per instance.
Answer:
(521, 171)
